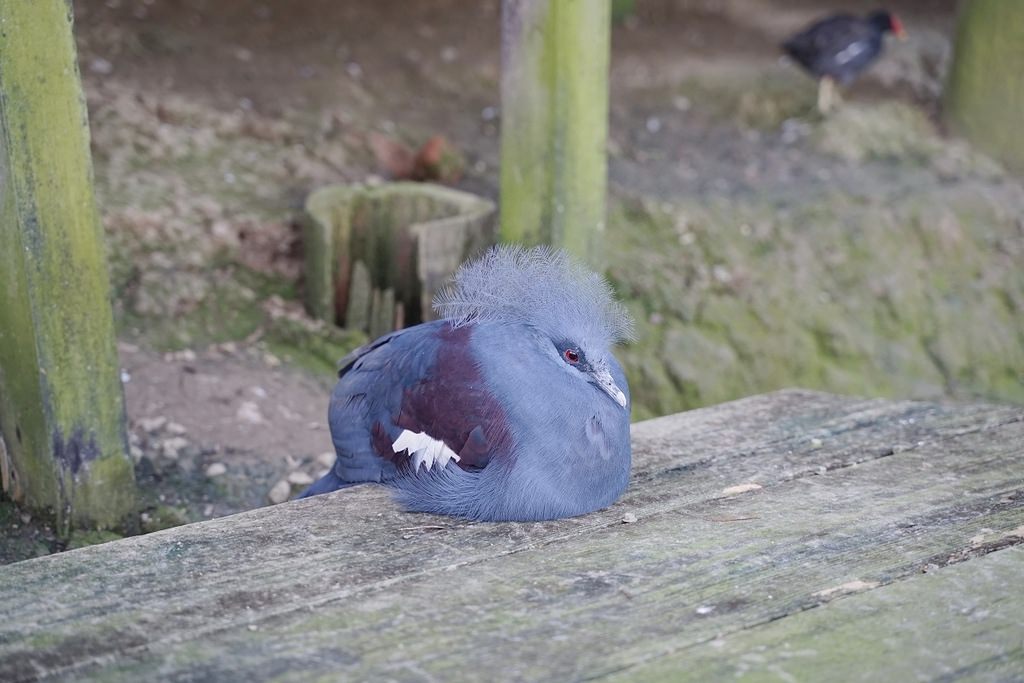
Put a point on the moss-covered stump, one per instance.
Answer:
(907, 293)
(376, 255)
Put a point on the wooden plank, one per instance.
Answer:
(61, 405)
(554, 123)
(344, 585)
(959, 624)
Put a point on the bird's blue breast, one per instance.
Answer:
(571, 439)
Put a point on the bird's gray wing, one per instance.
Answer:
(422, 381)
(371, 381)
(842, 30)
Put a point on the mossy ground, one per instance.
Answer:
(903, 299)
(23, 537)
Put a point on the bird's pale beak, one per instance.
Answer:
(603, 378)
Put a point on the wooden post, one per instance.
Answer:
(554, 125)
(61, 402)
(985, 96)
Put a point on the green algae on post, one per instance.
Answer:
(554, 127)
(61, 404)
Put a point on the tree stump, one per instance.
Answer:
(375, 256)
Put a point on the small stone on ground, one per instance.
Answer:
(280, 492)
(300, 478)
(216, 469)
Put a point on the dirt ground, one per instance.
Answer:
(213, 119)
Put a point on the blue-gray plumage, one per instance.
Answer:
(510, 407)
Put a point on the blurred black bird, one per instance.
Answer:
(839, 48)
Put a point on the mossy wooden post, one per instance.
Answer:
(61, 402)
(554, 125)
(985, 97)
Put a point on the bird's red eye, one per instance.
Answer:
(572, 355)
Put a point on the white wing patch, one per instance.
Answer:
(424, 449)
(850, 52)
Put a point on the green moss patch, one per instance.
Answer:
(911, 298)
(81, 539)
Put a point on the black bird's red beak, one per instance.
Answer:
(897, 27)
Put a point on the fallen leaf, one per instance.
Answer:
(437, 160)
(280, 492)
(395, 159)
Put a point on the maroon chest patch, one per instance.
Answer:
(451, 403)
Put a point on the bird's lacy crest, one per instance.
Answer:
(538, 286)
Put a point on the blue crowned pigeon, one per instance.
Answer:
(510, 407)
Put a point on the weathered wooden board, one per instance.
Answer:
(860, 501)
(967, 617)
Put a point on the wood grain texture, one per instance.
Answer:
(858, 500)
(961, 623)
